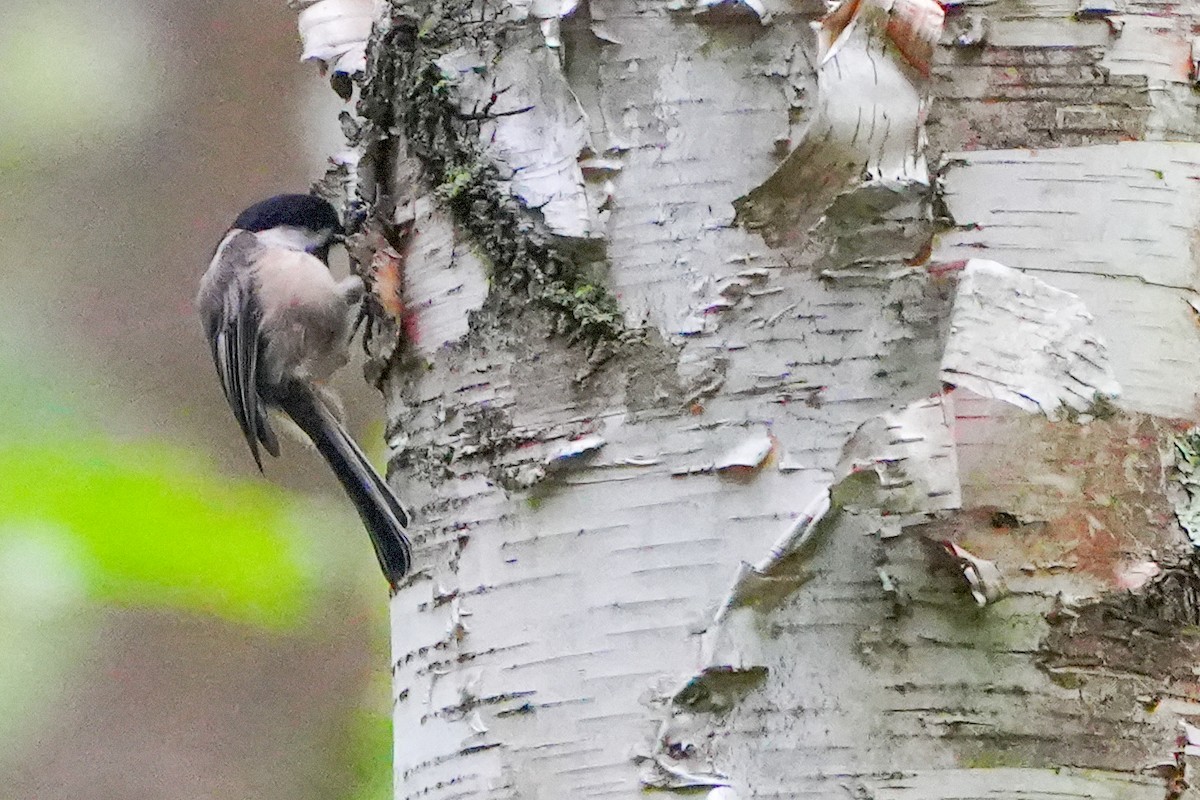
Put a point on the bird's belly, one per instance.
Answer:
(307, 331)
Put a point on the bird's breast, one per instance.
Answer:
(305, 317)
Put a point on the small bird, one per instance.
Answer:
(279, 323)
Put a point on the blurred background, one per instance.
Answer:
(172, 624)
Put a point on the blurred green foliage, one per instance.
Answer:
(147, 523)
(154, 527)
(368, 743)
(108, 496)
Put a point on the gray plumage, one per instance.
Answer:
(278, 323)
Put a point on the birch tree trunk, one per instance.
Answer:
(753, 456)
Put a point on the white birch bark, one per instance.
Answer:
(880, 485)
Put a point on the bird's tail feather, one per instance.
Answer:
(381, 512)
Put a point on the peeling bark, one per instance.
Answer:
(879, 485)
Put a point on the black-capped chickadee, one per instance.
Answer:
(278, 323)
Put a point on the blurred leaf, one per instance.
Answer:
(154, 527)
(368, 753)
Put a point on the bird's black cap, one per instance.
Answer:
(295, 210)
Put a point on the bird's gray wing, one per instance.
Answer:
(232, 318)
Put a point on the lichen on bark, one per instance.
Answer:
(933, 637)
(409, 101)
